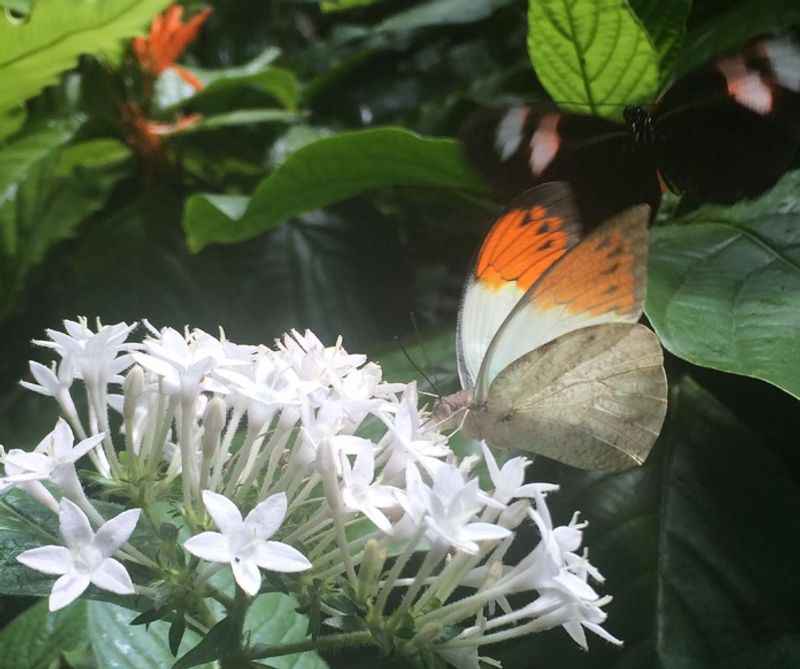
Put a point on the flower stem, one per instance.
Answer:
(327, 643)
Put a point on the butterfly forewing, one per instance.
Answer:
(594, 398)
(526, 239)
(607, 170)
(601, 280)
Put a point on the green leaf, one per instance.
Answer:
(49, 191)
(441, 12)
(724, 286)
(273, 619)
(36, 638)
(240, 117)
(119, 645)
(733, 28)
(693, 546)
(222, 85)
(24, 524)
(591, 56)
(11, 120)
(342, 5)
(35, 51)
(666, 25)
(222, 640)
(327, 171)
(17, 7)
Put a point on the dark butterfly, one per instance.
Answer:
(724, 132)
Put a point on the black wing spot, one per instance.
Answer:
(611, 289)
(603, 244)
(615, 252)
(546, 245)
(610, 270)
(543, 229)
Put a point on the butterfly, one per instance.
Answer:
(551, 356)
(723, 132)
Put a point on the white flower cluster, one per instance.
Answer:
(316, 449)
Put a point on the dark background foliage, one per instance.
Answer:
(698, 545)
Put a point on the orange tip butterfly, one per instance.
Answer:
(551, 357)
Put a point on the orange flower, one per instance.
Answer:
(145, 135)
(169, 36)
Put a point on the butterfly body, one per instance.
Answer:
(551, 356)
(724, 132)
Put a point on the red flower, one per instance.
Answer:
(169, 36)
(145, 135)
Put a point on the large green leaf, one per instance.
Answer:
(327, 171)
(35, 51)
(273, 619)
(666, 25)
(117, 644)
(724, 286)
(694, 546)
(37, 638)
(591, 56)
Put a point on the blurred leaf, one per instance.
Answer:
(733, 28)
(18, 7)
(119, 645)
(697, 539)
(666, 25)
(591, 56)
(724, 286)
(45, 202)
(35, 639)
(442, 12)
(259, 75)
(294, 139)
(326, 171)
(11, 120)
(240, 117)
(341, 5)
(273, 619)
(221, 641)
(433, 354)
(35, 51)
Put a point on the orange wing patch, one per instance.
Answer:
(605, 273)
(524, 242)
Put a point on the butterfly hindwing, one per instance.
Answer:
(593, 398)
(601, 280)
(534, 232)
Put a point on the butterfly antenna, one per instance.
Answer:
(424, 355)
(417, 367)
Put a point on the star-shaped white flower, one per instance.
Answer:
(359, 493)
(86, 558)
(243, 543)
(509, 482)
(448, 508)
(54, 457)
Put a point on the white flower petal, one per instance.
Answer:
(247, 576)
(111, 575)
(73, 524)
(54, 560)
(157, 366)
(267, 516)
(62, 437)
(83, 447)
(211, 546)
(277, 556)
(67, 589)
(115, 532)
(224, 512)
(484, 532)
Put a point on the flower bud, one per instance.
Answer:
(132, 389)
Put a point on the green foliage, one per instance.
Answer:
(35, 51)
(49, 190)
(327, 171)
(37, 638)
(724, 289)
(666, 24)
(592, 56)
